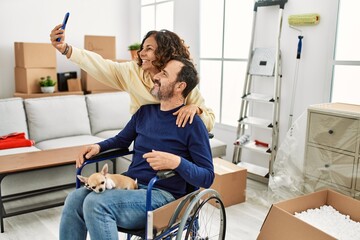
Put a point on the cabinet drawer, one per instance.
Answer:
(357, 184)
(332, 131)
(329, 166)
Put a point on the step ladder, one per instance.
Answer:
(257, 133)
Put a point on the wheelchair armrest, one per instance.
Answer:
(165, 174)
(109, 154)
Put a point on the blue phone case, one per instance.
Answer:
(64, 23)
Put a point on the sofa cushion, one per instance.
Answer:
(108, 111)
(56, 117)
(13, 117)
(107, 134)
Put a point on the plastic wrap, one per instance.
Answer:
(288, 178)
(287, 181)
(319, 151)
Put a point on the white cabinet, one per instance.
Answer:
(332, 152)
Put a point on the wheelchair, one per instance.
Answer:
(200, 215)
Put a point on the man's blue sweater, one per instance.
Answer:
(153, 129)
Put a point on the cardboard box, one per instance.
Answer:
(103, 45)
(281, 224)
(27, 79)
(230, 182)
(89, 83)
(34, 55)
(74, 84)
(162, 215)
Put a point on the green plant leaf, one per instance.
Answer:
(134, 46)
(46, 82)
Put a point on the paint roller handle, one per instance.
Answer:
(298, 54)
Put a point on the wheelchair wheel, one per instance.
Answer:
(208, 220)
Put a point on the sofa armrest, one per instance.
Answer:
(13, 118)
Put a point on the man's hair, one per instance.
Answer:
(187, 74)
(170, 45)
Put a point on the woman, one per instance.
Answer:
(136, 78)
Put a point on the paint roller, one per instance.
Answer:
(299, 20)
(304, 19)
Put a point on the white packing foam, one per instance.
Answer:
(329, 220)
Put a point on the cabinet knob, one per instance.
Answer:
(330, 131)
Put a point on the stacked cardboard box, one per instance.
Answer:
(33, 61)
(104, 46)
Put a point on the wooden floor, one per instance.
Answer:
(243, 220)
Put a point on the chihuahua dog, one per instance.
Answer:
(99, 182)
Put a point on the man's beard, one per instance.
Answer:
(163, 94)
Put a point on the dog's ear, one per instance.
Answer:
(105, 169)
(82, 179)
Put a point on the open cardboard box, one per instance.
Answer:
(281, 223)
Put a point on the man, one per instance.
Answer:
(158, 144)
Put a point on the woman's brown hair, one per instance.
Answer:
(170, 45)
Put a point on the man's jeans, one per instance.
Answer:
(101, 213)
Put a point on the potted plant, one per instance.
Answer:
(133, 48)
(47, 85)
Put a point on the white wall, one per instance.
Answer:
(24, 20)
(32, 21)
(186, 24)
(315, 65)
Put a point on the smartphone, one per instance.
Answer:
(64, 24)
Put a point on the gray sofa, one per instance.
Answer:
(64, 121)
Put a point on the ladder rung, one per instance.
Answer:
(256, 97)
(262, 62)
(265, 76)
(266, 3)
(256, 148)
(259, 122)
(254, 169)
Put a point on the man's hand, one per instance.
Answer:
(162, 160)
(87, 152)
(186, 114)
